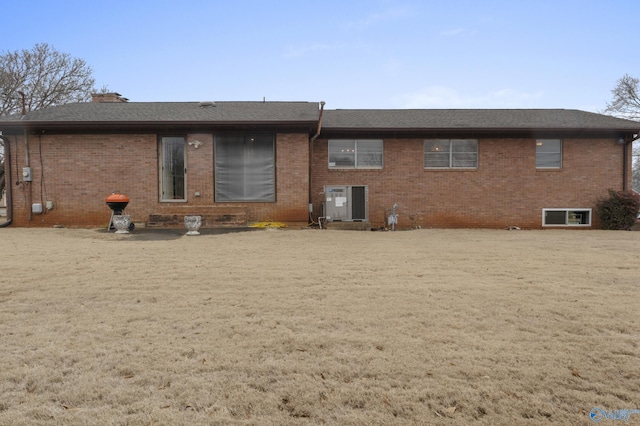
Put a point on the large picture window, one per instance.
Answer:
(173, 168)
(548, 153)
(450, 153)
(245, 168)
(355, 154)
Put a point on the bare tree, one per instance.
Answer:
(626, 104)
(42, 77)
(626, 99)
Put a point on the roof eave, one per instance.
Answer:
(120, 126)
(476, 130)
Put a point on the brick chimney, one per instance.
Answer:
(112, 97)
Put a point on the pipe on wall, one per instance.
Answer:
(311, 141)
(627, 142)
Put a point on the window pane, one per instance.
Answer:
(369, 154)
(464, 145)
(245, 168)
(436, 153)
(555, 217)
(464, 159)
(436, 145)
(436, 160)
(549, 153)
(464, 153)
(342, 153)
(173, 168)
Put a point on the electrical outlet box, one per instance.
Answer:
(26, 174)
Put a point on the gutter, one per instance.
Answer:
(311, 141)
(7, 180)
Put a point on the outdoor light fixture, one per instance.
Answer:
(621, 140)
(195, 144)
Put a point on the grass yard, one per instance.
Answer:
(300, 327)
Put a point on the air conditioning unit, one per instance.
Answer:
(343, 203)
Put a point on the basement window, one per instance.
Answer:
(566, 217)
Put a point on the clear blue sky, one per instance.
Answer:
(351, 54)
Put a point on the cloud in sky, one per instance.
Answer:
(392, 14)
(446, 97)
(356, 54)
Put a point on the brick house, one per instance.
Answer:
(235, 163)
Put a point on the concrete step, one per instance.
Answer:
(212, 217)
(348, 226)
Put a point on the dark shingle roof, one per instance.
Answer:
(176, 112)
(482, 119)
(306, 113)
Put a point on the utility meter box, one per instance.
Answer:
(346, 203)
(26, 174)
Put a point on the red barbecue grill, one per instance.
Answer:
(117, 202)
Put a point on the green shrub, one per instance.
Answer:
(619, 210)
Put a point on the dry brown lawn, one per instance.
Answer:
(276, 327)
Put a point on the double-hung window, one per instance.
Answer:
(548, 154)
(451, 154)
(245, 168)
(173, 168)
(355, 153)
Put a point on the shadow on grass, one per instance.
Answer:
(163, 234)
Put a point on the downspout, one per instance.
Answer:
(27, 163)
(7, 181)
(26, 139)
(625, 159)
(311, 141)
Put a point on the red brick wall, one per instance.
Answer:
(81, 170)
(77, 173)
(505, 190)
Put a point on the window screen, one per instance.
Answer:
(548, 153)
(244, 168)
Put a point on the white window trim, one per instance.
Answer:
(568, 220)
